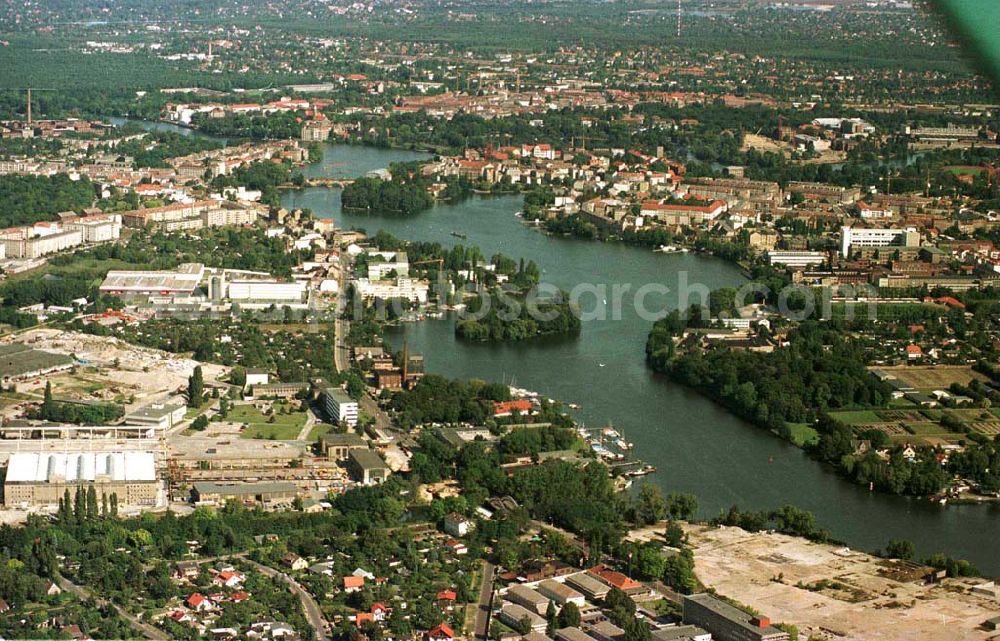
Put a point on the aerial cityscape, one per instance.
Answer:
(530, 320)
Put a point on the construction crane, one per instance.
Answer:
(29, 90)
(439, 261)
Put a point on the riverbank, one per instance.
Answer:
(696, 446)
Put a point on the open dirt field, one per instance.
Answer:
(833, 592)
(113, 369)
(934, 378)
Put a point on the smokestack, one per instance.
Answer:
(29, 105)
(406, 361)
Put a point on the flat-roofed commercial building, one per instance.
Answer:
(560, 593)
(219, 493)
(367, 467)
(266, 291)
(18, 362)
(681, 633)
(605, 631)
(161, 414)
(728, 623)
(528, 598)
(572, 634)
(511, 614)
(853, 237)
(278, 390)
(592, 588)
(36, 479)
(796, 259)
(337, 447)
(182, 281)
(340, 407)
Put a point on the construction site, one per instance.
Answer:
(833, 592)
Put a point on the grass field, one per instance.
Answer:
(855, 417)
(928, 429)
(86, 265)
(318, 430)
(193, 412)
(284, 428)
(803, 434)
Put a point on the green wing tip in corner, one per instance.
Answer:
(977, 25)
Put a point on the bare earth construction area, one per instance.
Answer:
(835, 592)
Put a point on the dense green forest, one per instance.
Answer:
(79, 413)
(819, 370)
(275, 126)
(435, 399)
(25, 200)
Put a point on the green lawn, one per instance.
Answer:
(284, 428)
(854, 417)
(803, 434)
(318, 430)
(928, 429)
(193, 412)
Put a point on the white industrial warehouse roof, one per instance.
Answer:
(34, 467)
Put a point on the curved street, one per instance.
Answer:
(309, 605)
(148, 631)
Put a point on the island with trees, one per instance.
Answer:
(505, 316)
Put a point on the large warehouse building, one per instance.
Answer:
(182, 281)
(39, 479)
(19, 361)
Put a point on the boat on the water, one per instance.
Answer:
(458, 234)
(642, 471)
(623, 444)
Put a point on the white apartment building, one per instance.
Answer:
(795, 259)
(38, 240)
(410, 289)
(873, 212)
(381, 264)
(267, 290)
(99, 228)
(340, 407)
(865, 237)
(219, 216)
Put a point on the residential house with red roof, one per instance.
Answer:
(440, 632)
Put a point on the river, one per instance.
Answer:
(696, 446)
